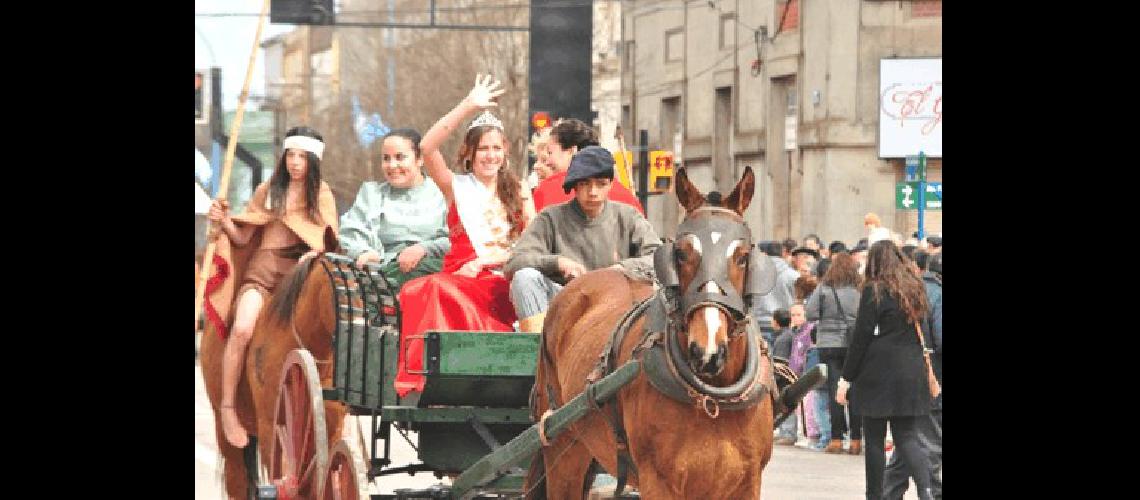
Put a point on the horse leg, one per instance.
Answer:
(233, 468)
(534, 484)
(567, 462)
(334, 421)
(651, 485)
(248, 308)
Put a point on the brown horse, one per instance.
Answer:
(678, 450)
(301, 309)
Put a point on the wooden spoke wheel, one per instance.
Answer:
(299, 453)
(346, 477)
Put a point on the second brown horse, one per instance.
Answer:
(679, 451)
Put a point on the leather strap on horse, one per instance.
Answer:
(663, 365)
(612, 413)
(653, 348)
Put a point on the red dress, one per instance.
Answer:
(447, 301)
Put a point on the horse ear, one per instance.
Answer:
(687, 193)
(742, 195)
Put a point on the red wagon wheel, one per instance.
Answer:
(299, 455)
(345, 478)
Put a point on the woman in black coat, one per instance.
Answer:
(884, 370)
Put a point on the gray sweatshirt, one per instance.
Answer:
(619, 235)
(831, 330)
(782, 295)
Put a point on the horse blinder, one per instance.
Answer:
(716, 236)
(761, 275)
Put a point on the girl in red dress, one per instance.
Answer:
(488, 208)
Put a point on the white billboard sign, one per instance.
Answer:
(910, 107)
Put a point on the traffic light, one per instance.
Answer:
(302, 12)
(199, 80)
(202, 94)
(660, 171)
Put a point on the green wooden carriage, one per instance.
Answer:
(472, 416)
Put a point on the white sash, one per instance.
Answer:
(473, 203)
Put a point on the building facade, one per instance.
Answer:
(790, 88)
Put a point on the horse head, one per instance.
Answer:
(708, 265)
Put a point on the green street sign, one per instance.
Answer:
(906, 196)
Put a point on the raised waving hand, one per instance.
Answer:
(485, 92)
(483, 95)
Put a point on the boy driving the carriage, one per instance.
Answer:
(570, 239)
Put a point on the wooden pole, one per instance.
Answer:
(223, 186)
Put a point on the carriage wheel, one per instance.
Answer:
(345, 478)
(299, 454)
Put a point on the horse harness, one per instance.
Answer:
(665, 367)
(662, 358)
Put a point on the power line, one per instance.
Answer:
(662, 87)
(735, 19)
(505, 6)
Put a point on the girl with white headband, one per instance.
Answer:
(290, 218)
(488, 208)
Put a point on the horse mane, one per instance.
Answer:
(283, 302)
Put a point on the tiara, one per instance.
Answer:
(486, 118)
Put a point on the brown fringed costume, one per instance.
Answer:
(272, 251)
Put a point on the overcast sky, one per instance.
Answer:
(231, 39)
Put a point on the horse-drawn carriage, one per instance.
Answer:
(493, 403)
(475, 399)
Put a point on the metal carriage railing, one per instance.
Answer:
(366, 342)
(469, 405)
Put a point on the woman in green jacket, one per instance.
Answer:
(399, 224)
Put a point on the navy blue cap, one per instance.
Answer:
(589, 162)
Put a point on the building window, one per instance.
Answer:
(625, 120)
(788, 15)
(674, 45)
(727, 31)
(723, 171)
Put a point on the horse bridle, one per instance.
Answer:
(716, 235)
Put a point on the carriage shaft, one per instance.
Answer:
(525, 445)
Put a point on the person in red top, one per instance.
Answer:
(566, 138)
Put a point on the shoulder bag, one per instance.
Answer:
(848, 329)
(931, 380)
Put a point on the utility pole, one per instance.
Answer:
(390, 42)
(921, 193)
(643, 172)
